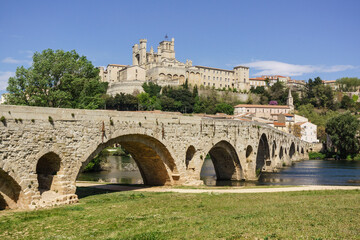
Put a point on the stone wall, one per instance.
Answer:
(42, 150)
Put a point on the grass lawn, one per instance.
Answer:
(130, 215)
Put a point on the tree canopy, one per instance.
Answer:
(57, 79)
(319, 95)
(343, 131)
(349, 84)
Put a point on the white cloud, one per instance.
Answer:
(4, 77)
(29, 53)
(287, 69)
(16, 61)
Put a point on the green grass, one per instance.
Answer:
(130, 215)
(233, 187)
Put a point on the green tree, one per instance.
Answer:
(347, 102)
(277, 93)
(148, 103)
(183, 98)
(122, 102)
(319, 95)
(224, 108)
(258, 90)
(57, 79)
(343, 131)
(152, 89)
(347, 84)
(309, 90)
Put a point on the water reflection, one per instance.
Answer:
(313, 172)
(120, 170)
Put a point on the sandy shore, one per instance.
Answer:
(115, 187)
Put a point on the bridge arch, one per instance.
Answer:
(190, 152)
(249, 153)
(47, 168)
(155, 163)
(263, 154)
(281, 153)
(10, 191)
(292, 150)
(273, 149)
(226, 161)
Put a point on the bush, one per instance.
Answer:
(357, 157)
(316, 155)
(3, 120)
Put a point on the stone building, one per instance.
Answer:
(266, 111)
(163, 68)
(258, 82)
(308, 132)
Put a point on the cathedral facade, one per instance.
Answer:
(164, 69)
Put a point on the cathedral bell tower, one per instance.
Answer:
(290, 101)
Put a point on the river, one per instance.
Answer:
(312, 172)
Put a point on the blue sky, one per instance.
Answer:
(302, 39)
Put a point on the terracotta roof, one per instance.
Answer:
(244, 119)
(288, 114)
(261, 106)
(257, 79)
(277, 124)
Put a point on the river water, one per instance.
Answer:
(312, 172)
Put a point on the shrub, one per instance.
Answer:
(316, 155)
(51, 120)
(3, 120)
(357, 157)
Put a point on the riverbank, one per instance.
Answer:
(208, 189)
(149, 215)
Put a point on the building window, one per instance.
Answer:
(220, 85)
(204, 83)
(220, 78)
(204, 77)
(214, 78)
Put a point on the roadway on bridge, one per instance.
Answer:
(267, 189)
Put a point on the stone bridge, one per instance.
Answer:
(42, 150)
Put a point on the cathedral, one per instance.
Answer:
(164, 69)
